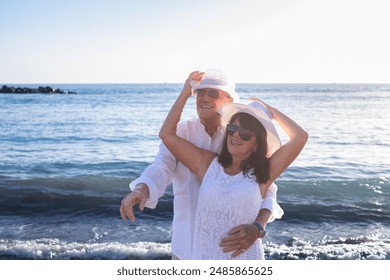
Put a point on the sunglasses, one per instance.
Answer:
(245, 134)
(212, 93)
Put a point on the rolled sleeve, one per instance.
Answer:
(153, 194)
(270, 203)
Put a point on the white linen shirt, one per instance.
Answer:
(166, 170)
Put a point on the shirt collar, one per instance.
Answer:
(220, 128)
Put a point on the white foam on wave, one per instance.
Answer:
(342, 249)
(46, 249)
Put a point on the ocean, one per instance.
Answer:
(66, 162)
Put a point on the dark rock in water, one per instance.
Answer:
(25, 90)
(6, 89)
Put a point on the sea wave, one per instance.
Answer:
(312, 200)
(363, 248)
(84, 195)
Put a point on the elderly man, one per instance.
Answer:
(212, 90)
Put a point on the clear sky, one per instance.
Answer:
(136, 41)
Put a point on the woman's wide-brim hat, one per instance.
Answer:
(257, 110)
(216, 79)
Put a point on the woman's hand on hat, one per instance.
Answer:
(269, 108)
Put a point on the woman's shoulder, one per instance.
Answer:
(214, 163)
(213, 167)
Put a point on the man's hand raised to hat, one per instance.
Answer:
(138, 196)
(194, 77)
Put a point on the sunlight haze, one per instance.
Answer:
(278, 41)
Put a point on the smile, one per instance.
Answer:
(235, 142)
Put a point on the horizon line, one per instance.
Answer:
(180, 83)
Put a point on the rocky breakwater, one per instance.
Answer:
(26, 90)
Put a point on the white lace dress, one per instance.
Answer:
(224, 202)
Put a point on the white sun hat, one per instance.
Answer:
(216, 79)
(257, 110)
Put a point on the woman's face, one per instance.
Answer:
(240, 141)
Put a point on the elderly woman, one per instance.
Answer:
(233, 183)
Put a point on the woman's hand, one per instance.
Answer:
(268, 107)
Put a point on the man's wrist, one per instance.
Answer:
(262, 231)
(143, 188)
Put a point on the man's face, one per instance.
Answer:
(208, 102)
